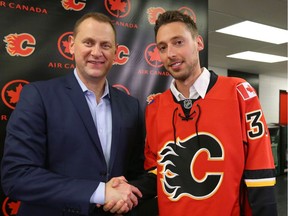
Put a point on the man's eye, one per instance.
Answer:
(161, 48)
(179, 42)
(88, 43)
(106, 46)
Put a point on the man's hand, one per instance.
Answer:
(120, 196)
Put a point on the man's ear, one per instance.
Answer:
(200, 42)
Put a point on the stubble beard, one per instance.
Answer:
(181, 75)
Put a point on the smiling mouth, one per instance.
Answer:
(175, 64)
(96, 62)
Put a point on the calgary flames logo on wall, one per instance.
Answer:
(122, 55)
(72, 5)
(20, 44)
(11, 92)
(153, 14)
(10, 207)
(151, 97)
(118, 8)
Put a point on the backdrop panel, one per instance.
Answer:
(34, 46)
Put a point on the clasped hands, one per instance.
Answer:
(120, 197)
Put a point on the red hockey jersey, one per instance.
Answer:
(205, 164)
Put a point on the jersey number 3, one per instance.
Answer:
(255, 125)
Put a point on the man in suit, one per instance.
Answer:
(70, 137)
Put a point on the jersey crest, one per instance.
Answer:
(179, 167)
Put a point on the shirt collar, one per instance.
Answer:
(199, 87)
(85, 89)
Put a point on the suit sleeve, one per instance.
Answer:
(147, 183)
(25, 175)
(136, 167)
(259, 173)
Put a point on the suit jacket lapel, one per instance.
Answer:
(77, 96)
(116, 108)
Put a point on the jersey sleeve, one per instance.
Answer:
(259, 173)
(151, 142)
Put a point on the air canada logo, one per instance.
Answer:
(190, 167)
(11, 92)
(189, 12)
(122, 88)
(153, 14)
(63, 46)
(73, 5)
(122, 55)
(152, 56)
(10, 207)
(118, 8)
(20, 44)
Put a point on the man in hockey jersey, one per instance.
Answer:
(207, 141)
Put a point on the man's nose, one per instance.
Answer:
(170, 51)
(96, 50)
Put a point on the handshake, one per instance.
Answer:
(120, 197)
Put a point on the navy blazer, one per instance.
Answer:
(53, 160)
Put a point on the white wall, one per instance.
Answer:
(269, 88)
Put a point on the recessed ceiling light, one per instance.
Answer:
(257, 31)
(256, 56)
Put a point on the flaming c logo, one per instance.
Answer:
(10, 207)
(63, 45)
(118, 8)
(152, 56)
(20, 44)
(122, 55)
(151, 97)
(184, 174)
(72, 5)
(11, 92)
(153, 14)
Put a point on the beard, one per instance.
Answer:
(184, 73)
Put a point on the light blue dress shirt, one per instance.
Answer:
(102, 117)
